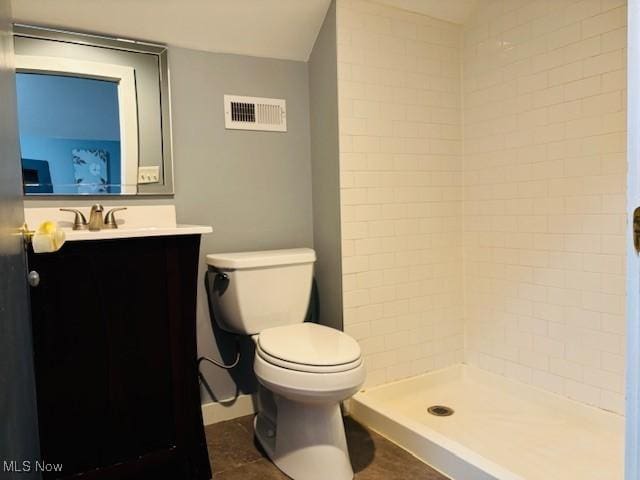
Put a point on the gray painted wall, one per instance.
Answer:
(18, 424)
(254, 188)
(325, 170)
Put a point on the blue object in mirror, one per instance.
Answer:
(36, 176)
(71, 125)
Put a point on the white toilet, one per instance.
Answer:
(305, 369)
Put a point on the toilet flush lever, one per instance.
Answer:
(221, 283)
(636, 229)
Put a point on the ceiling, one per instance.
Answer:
(264, 28)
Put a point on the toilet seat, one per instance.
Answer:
(300, 367)
(309, 347)
(308, 387)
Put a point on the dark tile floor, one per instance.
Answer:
(235, 455)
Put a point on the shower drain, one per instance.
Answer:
(440, 411)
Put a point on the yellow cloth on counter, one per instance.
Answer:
(48, 238)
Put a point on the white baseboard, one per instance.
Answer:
(219, 411)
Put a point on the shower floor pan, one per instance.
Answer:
(500, 429)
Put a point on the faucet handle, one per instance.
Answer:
(79, 221)
(110, 218)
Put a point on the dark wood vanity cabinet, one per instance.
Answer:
(114, 329)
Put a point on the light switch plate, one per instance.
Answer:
(148, 175)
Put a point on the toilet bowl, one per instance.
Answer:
(307, 439)
(304, 369)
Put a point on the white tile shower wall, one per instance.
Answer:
(544, 194)
(401, 188)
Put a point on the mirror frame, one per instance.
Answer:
(129, 45)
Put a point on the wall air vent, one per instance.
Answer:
(251, 113)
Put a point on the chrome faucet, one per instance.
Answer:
(96, 222)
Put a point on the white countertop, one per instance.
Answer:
(106, 234)
(134, 222)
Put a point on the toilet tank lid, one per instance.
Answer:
(266, 258)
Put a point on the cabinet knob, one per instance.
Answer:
(33, 278)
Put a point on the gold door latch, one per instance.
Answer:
(636, 229)
(46, 239)
(26, 233)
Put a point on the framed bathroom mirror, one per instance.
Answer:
(93, 114)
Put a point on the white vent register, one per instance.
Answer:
(252, 113)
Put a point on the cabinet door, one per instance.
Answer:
(140, 407)
(102, 353)
(70, 348)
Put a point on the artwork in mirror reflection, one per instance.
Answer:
(69, 134)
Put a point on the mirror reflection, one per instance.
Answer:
(69, 134)
(91, 112)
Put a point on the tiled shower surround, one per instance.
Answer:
(483, 191)
(401, 188)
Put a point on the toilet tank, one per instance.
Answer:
(251, 291)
